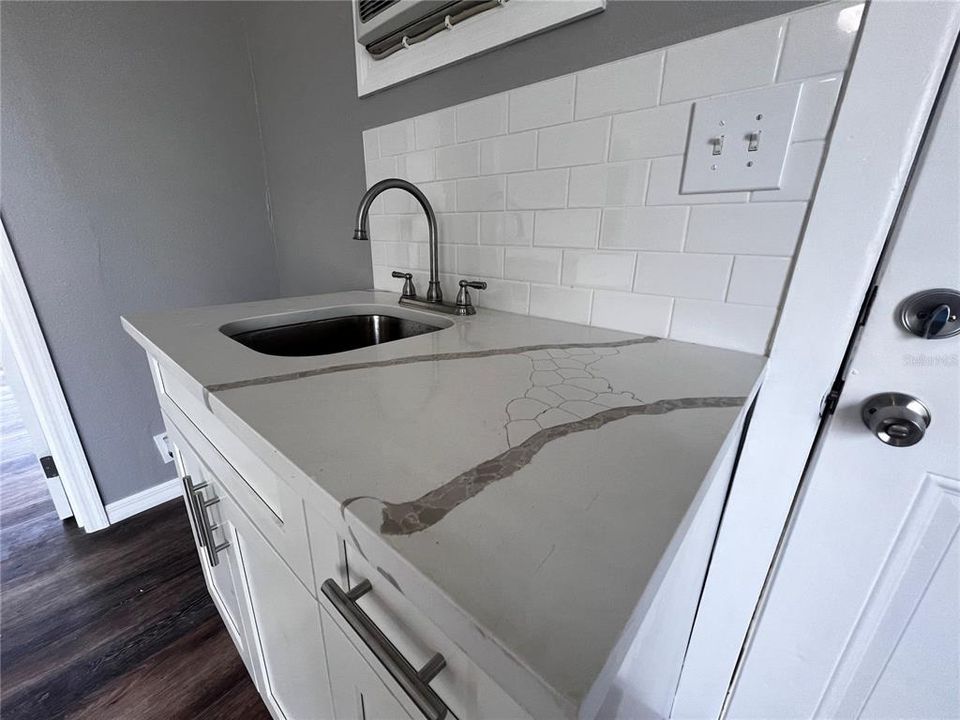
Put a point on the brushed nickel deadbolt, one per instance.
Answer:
(932, 314)
(895, 418)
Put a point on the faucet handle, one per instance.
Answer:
(409, 291)
(464, 306)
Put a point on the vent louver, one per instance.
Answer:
(370, 8)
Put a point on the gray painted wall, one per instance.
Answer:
(132, 180)
(302, 53)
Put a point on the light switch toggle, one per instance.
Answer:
(717, 145)
(753, 141)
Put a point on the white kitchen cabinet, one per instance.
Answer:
(287, 630)
(272, 617)
(223, 577)
(358, 691)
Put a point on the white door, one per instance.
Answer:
(862, 614)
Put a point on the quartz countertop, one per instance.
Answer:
(534, 471)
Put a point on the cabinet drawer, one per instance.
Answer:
(466, 690)
(286, 532)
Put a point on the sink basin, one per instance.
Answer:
(291, 336)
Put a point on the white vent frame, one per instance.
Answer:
(513, 21)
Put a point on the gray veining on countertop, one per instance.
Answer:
(520, 465)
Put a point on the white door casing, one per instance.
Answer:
(862, 615)
(29, 349)
(899, 62)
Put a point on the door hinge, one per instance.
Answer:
(49, 466)
(832, 398)
(867, 306)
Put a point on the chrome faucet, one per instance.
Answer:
(434, 293)
(408, 296)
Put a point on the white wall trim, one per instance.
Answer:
(902, 56)
(508, 23)
(40, 377)
(144, 500)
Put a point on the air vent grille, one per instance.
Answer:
(370, 8)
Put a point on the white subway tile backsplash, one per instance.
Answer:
(378, 170)
(536, 190)
(644, 228)
(619, 86)
(371, 144)
(610, 184)
(436, 129)
(398, 228)
(460, 228)
(458, 161)
(543, 104)
(577, 143)
(442, 195)
(508, 228)
(632, 312)
(754, 229)
(417, 166)
(650, 133)
(382, 279)
(509, 153)
(485, 193)
(800, 172)
(398, 202)
(400, 256)
(831, 29)
(818, 101)
(604, 270)
(482, 118)
(539, 265)
(447, 262)
(663, 187)
(567, 228)
(505, 295)
(557, 303)
(480, 260)
(733, 60)
(737, 327)
(703, 277)
(397, 138)
(565, 195)
(758, 280)
(383, 228)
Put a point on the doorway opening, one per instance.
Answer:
(26, 503)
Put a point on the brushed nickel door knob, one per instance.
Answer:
(895, 418)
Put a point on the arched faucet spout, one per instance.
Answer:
(434, 293)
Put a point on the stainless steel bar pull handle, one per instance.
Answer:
(213, 549)
(414, 682)
(188, 489)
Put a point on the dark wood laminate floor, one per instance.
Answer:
(114, 625)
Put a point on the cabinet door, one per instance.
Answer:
(286, 631)
(201, 487)
(358, 692)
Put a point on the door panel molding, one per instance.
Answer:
(916, 555)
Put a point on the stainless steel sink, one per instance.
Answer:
(290, 336)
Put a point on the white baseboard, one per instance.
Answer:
(143, 500)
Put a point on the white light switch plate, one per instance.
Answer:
(718, 156)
